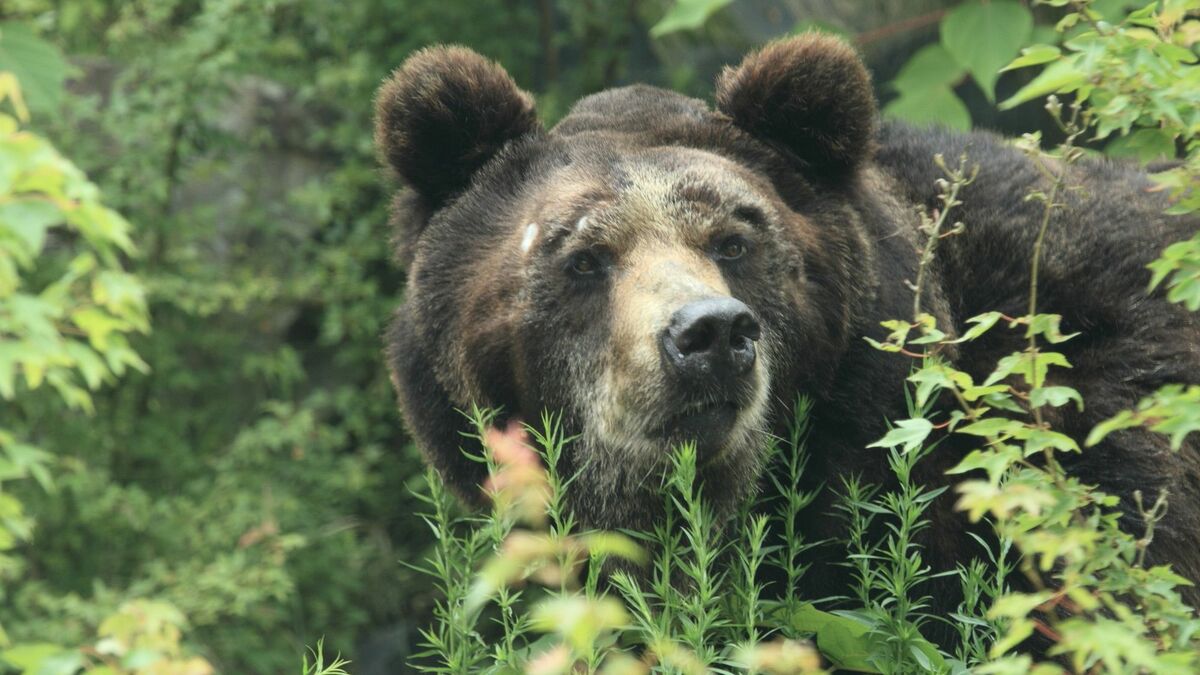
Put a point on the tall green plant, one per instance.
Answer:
(1141, 84)
(1092, 596)
(696, 605)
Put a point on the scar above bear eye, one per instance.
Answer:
(732, 247)
(750, 214)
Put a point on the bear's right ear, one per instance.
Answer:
(443, 114)
(810, 95)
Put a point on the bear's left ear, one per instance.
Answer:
(443, 114)
(809, 94)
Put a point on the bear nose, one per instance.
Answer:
(713, 337)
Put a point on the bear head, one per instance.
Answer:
(651, 269)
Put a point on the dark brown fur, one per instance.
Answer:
(793, 160)
(443, 115)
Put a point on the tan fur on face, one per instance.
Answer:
(659, 229)
(656, 280)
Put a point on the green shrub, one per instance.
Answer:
(67, 305)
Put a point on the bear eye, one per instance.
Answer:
(732, 247)
(584, 264)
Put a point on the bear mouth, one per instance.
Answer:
(706, 423)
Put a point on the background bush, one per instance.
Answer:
(245, 488)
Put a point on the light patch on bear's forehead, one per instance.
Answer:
(653, 196)
(676, 192)
(645, 210)
(531, 232)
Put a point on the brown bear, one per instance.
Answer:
(657, 271)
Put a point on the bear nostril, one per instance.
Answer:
(745, 327)
(701, 336)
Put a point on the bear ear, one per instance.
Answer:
(443, 114)
(810, 94)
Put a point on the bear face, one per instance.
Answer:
(654, 271)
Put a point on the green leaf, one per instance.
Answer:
(580, 620)
(1002, 400)
(123, 295)
(27, 220)
(1037, 440)
(97, 325)
(141, 659)
(1017, 605)
(63, 663)
(9, 353)
(33, 658)
(1055, 397)
(1143, 145)
(687, 15)
(984, 37)
(606, 544)
(10, 279)
(931, 67)
(29, 459)
(1122, 420)
(1043, 35)
(994, 461)
(1034, 56)
(1032, 366)
(934, 377)
(39, 66)
(922, 659)
(938, 105)
(1173, 410)
(909, 433)
(1020, 629)
(1046, 325)
(1181, 262)
(974, 393)
(983, 323)
(992, 426)
(119, 356)
(1059, 77)
(1113, 10)
(845, 641)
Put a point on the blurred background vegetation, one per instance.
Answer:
(247, 474)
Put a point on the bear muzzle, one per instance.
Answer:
(708, 349)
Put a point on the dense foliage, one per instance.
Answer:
(200, 461)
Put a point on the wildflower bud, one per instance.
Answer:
(518, 483)
(554, 661)
(942, 184)
(1053, 105)
(782, 656)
